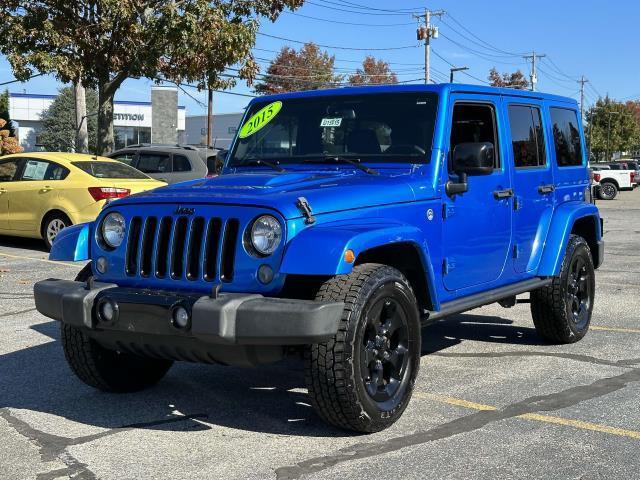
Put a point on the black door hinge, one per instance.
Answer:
(305, 209)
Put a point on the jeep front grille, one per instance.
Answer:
(182, 247)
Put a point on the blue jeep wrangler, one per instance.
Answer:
(344, 221)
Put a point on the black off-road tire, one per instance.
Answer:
(607, 191)
(104, 369)
(552, 307)
(333, 370)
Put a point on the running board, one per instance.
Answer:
(484, 298)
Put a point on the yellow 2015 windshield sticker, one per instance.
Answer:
(260, 119)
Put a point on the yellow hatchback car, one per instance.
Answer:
(42, 193)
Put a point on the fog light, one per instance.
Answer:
(265, 274)
(107, 310)
(180, 317)
(101, 265)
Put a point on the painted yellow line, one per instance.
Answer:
(616, 329)
(537, 417)
(24, 257)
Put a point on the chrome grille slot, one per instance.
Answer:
(133, 246)
(162, 249)
(229, 241)
(212, 242)
(148, 240)
(195, 248)
(177, 248)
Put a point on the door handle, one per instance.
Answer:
(500, 194)
(3, 190)
(543, 189)
(47, 188)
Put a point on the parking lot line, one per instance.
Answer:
(615, 329)
(25, 257)
(537, 417)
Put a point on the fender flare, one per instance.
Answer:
(72, 243)
(564, 218)
(320, 250)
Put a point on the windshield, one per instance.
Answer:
(110, 170)
(380, 128)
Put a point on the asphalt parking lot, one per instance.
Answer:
(492, 400)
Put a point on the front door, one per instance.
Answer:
(8, 172)
(32, 195)
(477, 224)
(532, 183)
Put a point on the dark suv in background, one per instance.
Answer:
(170, 163)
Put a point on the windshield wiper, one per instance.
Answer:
(259, 163)
(351, 161)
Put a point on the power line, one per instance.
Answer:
(335, 47)
(348, 23)
(332, 6)
(481, 40)
(452, 65)
(15, 80)
(367, 7)
(343, 60)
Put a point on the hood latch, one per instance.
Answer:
(305, 209)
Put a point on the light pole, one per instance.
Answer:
(455, 69)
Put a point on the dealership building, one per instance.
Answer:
(161, 120)
(225, 126)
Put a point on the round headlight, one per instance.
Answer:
(266, 234)
(113, 227)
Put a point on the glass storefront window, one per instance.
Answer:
(125, 136)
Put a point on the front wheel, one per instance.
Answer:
(562, 311)
(363, 378)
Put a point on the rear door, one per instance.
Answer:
(532, 182)
(9, 170)
(477, 223)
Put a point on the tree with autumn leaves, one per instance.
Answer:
(8, 144)
(311, 68)
(101, 43)
(508, 80)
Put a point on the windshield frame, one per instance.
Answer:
(399, 159)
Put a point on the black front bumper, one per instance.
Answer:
(145, 317)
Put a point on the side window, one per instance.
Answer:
(527, 137)
(125, 157)
(566, 137)
(473, 123)
(181, 164)
(8, 170)
(56, 172)
(34, 170)
(154, 163)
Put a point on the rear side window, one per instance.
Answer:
(42, 170)
(473, 123)
(181, 164)
(566, 137)
(109, 170)
(527, 137)
(154, 163)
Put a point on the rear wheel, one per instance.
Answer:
(51, 227)
(607, 191)
(363, 378)
(561, 312)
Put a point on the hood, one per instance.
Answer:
(326, 191)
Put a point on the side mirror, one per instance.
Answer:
(475, 158)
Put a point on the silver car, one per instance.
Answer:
(169, 163)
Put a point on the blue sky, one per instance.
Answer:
(594, 38)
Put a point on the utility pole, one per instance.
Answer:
(455, 69)
(426, 32)
(534, 78)
(582, 81)
(209, 118)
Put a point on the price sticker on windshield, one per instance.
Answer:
(331, 122)
(261, 118)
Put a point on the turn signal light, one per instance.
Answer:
(106, 193)
(596, 177)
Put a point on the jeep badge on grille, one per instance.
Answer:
(184, 211)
